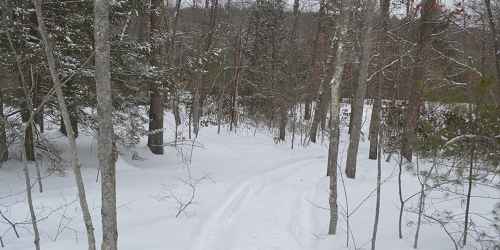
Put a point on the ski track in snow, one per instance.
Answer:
(274, 227)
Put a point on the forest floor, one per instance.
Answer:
(250, 194)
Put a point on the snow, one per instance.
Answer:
(251, 194)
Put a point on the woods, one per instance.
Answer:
(378, 94)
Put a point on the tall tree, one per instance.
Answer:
(317, 64)
(428, 11)
(377, 102)
(359, 98)
(495, 40)
(47, 43)
(156, 37)
(339, 42)
(104, 117)
(4, 147)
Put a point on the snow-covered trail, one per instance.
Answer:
(267, 211)
(257, 196)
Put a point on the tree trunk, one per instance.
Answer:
(421, 204)
(375, 124)
(307, 109)
(155, 136)
(29, 196)
(428, 12)
(104, 118)
(4, 147)
(335, 121)
(74, 123)
(29, 144)
(283, 122)
(495, 40)
(69, 94)
(236, 80)
(469, 193)
(323, 88)
(357, 115)
(67, 121)
(320, 111)
(377, 103)
(400, 195)
(379, 185)
(195, 105)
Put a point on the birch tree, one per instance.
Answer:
(104, 118)
(341, 30)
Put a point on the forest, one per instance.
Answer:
(249, 125)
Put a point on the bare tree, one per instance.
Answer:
(341, 30)
(316, 64)
(357, 115)
(495, 40)
(377, 103)
(67, 121)
(428, 12)
(205, 47)
(379, 185)
(4, 147)
(104, 113)
(156, 36)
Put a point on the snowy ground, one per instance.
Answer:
(251, 194)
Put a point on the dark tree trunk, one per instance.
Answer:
(319, 116)
(74, 122)
(318, 83)
(365, 45)
(29, 143)
(428, 11)
(155, 136)
(377, 103)
(4, 147)
(236, 79)
(495, 41)
(283, 122)
(307, 110)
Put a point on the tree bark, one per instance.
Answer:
(29, 144)
(495, 40)
(377, 103)
(379, 185)
(323, 88)
(155, 136)
(236, 80)
(4, 147)
(335, 121)
(428, 10)
(469, 193)
(320, 110)
(200, 76)
(357, 115)
(29, 197)
(69, 129)
(104, 116)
